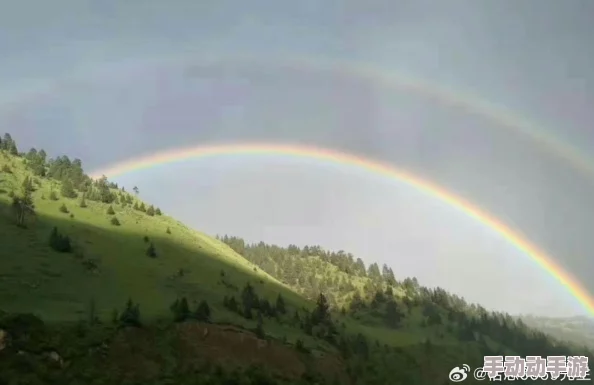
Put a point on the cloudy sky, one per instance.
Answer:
(112, 80)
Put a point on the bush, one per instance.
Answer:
(110, 210)
(114, 221)
(53, 196)
(64, 209)
(6, 169)
(168, 231)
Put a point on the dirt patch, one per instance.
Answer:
(137, 353)
(236, 347)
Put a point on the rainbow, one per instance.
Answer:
(326, 155)
(15, 99)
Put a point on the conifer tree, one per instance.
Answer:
(83, 201)
(202, 312)
(151, 252)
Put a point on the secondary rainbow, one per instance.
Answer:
(13, 100)
(322, 154)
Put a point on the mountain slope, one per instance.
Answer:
(129, 294)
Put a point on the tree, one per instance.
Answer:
(249, 299)
(168, 231)
(151, 252)
(114, 221)
(131, 315)
(110, 210)
(142, 207)
(321, 313)
(64, 209)
(53, 196)
(22, 206)
(388, 275)
(135, 189)
(27, 185)
(59, 242)
(180, 310)
(67, 189)
(259, 331)
(83, 201)
(9, 145)
(158, 211)
(373, 272)
(280, 304)
(150, 211)
(202, 312)
(393, 314)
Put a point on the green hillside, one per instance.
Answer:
(99, 287)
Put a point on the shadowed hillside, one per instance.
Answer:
(99, 287)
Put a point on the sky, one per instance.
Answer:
(109, 81)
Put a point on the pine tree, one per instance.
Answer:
(150, 211)
(151, 252)
(67, 189)
(110, 210)
(260, 327)
(158, 211)
(64, 209)
(59, 242)
(83, 201)
(202, 312)
(131, 315)
(114, 221)
(142, 207)
(393, 314)
(280, 305)
(180, 310)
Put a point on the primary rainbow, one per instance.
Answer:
(376, 167)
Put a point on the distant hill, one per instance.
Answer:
(579, 330)
(99, 287)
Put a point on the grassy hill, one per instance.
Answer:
(97, 286)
